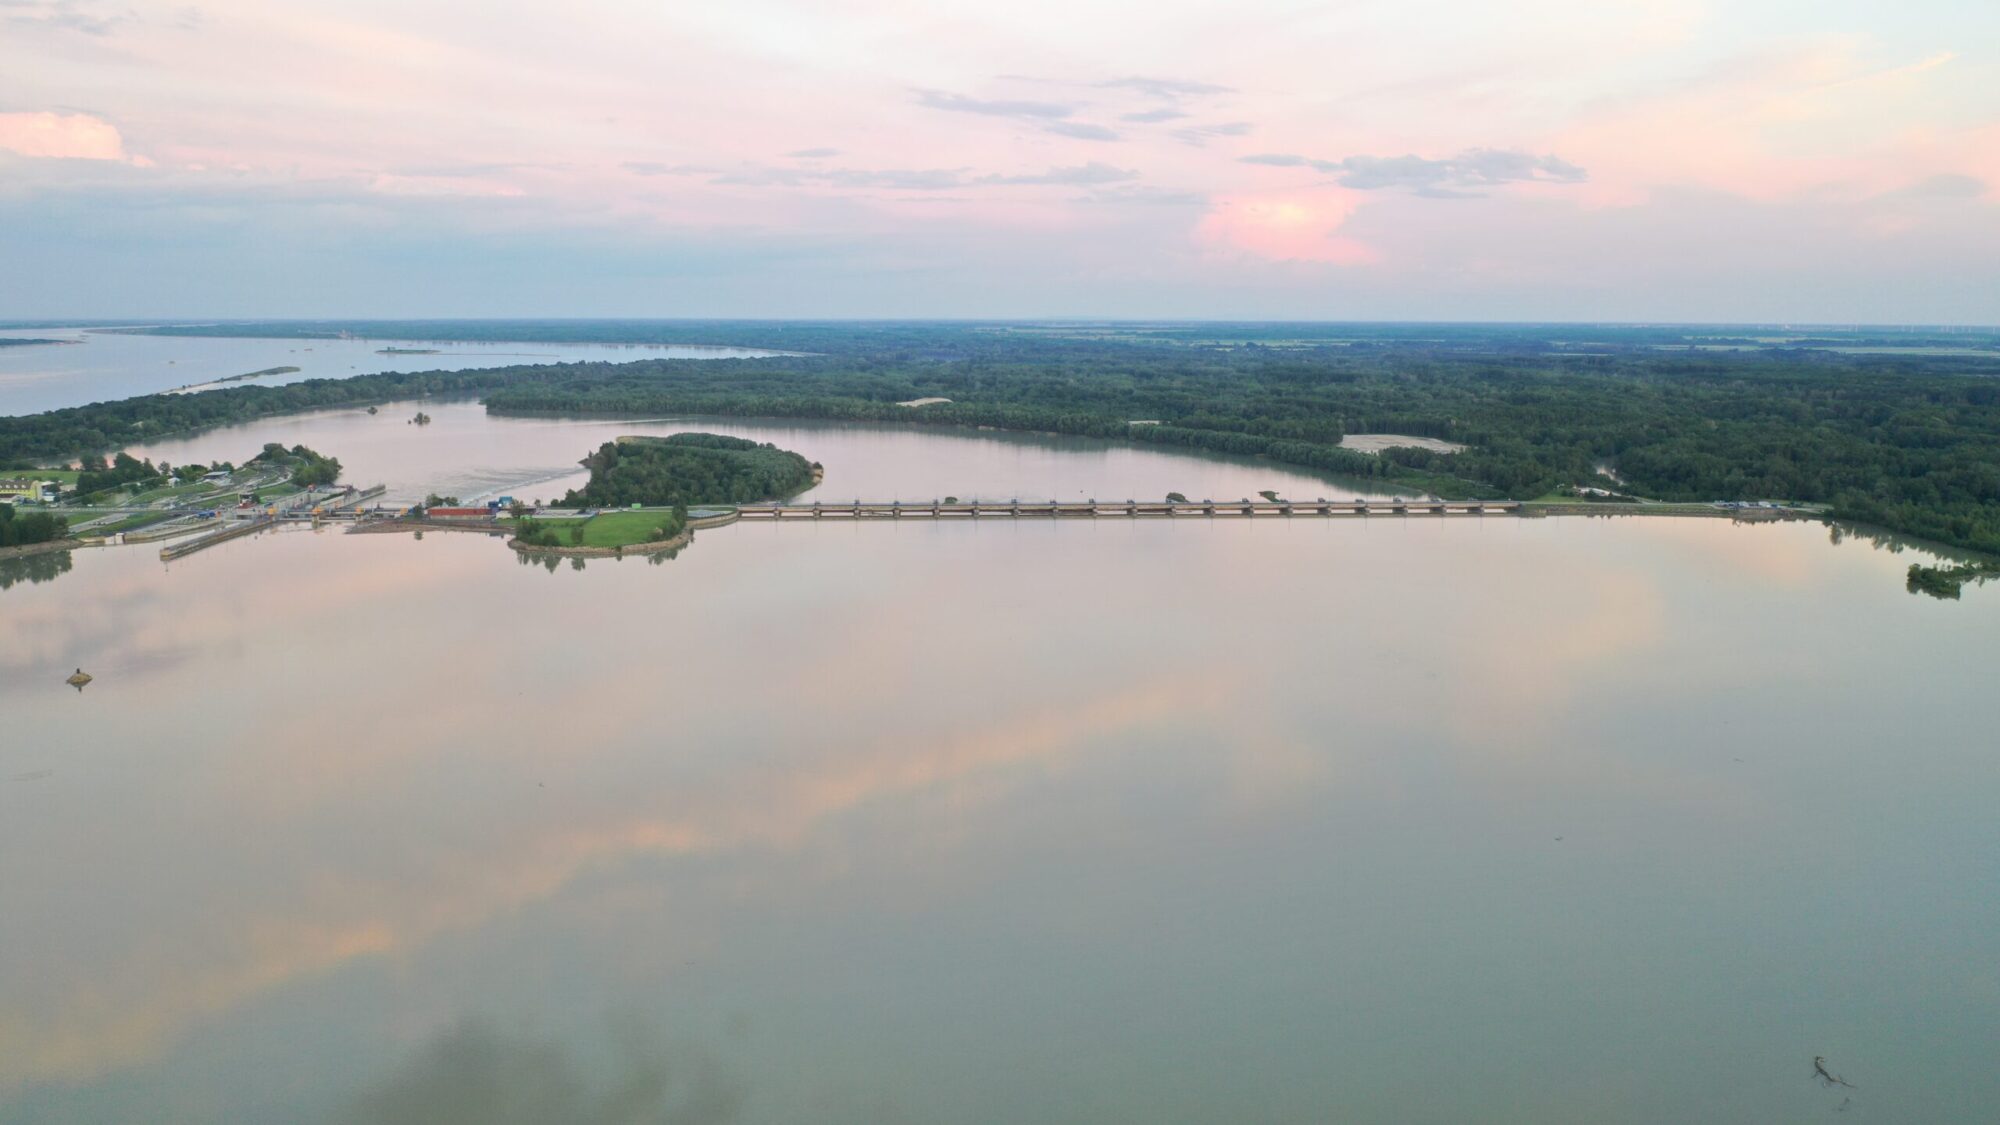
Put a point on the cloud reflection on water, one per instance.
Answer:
(330, 750)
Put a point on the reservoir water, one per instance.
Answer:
(86, 366)
(467, 453)
(1386, 820)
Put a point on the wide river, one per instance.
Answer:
(1384, 820)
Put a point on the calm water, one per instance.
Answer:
(1400, 820)
(466, 453)
(101, 366)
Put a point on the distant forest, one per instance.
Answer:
(1908, 440)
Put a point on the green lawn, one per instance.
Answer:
(612, 529)
(622, 529)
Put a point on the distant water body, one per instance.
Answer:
(85, 366)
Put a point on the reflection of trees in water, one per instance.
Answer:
(553, 563)
(34, 568)
(1944, 581)
(476, 1074)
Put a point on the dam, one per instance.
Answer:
(1089, 509)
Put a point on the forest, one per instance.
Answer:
(1907, 440)
(688, 469)
(1908, 443)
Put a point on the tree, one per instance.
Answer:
(317, 472)
(35, 527)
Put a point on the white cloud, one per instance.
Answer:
(62, 136)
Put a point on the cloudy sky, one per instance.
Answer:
(1790, 160)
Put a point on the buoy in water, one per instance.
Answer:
(77, 679)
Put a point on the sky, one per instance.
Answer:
(1823, 161)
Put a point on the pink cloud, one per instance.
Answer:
(1770, 124)
(61, 136)
(1297, 226)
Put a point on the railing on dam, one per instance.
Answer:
(1014, 509)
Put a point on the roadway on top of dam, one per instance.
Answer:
(1014, 509)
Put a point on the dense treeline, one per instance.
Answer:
(1888, 441)
(687, 469)
(30, 528)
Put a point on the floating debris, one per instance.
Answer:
(78, 678)
(1827, 1077)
